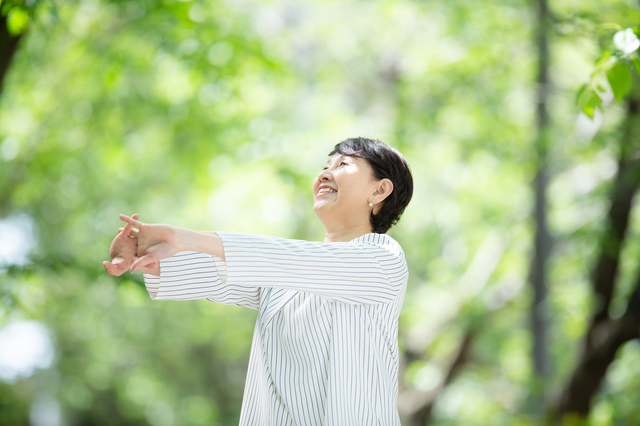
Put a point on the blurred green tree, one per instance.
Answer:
(619, 66)
(14, 19)
(217, 114)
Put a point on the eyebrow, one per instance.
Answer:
(341, 156)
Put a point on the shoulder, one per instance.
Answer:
(381, 240)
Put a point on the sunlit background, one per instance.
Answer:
(217, 115)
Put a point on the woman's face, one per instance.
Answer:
(341, 192)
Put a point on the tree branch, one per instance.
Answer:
(471, 283)
(416, 405)
(604, 336)
(624, 187)
(608, 337)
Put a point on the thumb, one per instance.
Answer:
(145, 261)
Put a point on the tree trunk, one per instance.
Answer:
(8, 46)
(543, 242)
(605, 336)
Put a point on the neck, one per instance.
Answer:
(346, 233)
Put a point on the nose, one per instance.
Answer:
(324, 176)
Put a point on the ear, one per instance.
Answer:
(383, 189)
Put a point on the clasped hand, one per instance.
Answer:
(140, 249)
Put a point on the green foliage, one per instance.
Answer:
(619, 78)
(613, 71)
(218, 114)
(17, 21)
(17, 13)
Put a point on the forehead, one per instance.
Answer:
(337, 157)
(360, 164)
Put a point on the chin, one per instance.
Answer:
(318, 208)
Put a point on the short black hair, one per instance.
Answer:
(387, 163)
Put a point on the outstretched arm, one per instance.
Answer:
(158, 241)
(370, 269)
(192, 265)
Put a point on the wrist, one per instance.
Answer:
(155, 271)
(181, 238)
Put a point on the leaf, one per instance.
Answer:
(4, 9)
(591, 104)
(587, 98)
(604, 64)
(604, 59)
(619, 77)
(581, 92)
(17, 21)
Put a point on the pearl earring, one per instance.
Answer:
(370, 203)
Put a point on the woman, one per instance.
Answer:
(325, 348)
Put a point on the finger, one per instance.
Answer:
(129, 226)
(144, 261)
(131, 220)
(132, 234)
(112, 269)
(112, 265)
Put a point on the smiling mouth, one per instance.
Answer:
(326, 191)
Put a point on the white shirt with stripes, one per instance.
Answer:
(325, 345)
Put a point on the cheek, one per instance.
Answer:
(356, 189)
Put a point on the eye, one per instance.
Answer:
(344, 162)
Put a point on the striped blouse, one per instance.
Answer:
(325, 346)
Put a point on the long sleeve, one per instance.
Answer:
(191, 275)
(368, 270)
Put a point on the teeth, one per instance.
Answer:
(324, 190)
